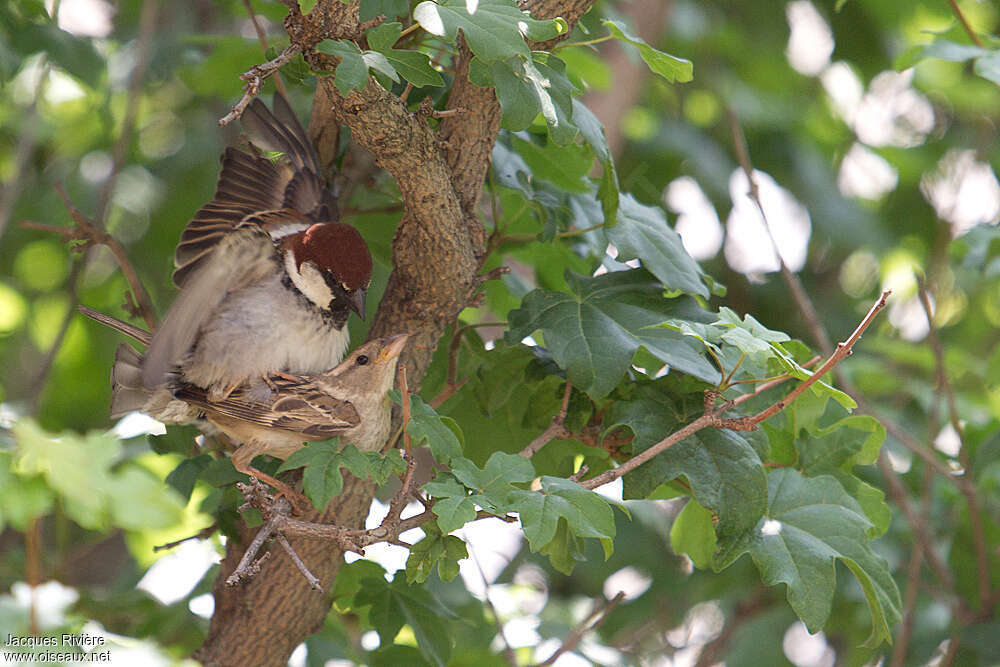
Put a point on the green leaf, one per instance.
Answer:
(669, 67)
(75, 55)
(187, 472)
(454, 507)
(587, 514)
(493, 484)
(352, 70)
(594, 332)
(378, 62)
(140, 501)
(725, 473)
(414, 66)
(23, 498)
(493, 30)
(593, 132)
(694, 534)
(390, 9)
(435, 549)
(76, 467)
(565, 166)
(809, 524)
(546, 74)
(396, 604)
(442, 434)
(322, 479)
(518, 100)
(642, 233)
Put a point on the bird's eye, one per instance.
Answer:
(362, 360)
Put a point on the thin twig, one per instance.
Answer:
(262, 38)
(255, 78)
(45, 366)
(913, 579)
(452, 384)
(309, 576)
(965, 484)
(202, 534)
(712, 416)
(923, 539)
(30, 120)
(119, 153)
(956, 10)
(798, 292)
(508, 652)
(404, 394)
(591, 622)
(556, 428)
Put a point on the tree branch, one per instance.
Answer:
(712, 417)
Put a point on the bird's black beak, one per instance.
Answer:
(356, 302)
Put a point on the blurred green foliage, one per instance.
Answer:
(919, 206)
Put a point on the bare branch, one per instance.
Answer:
(591, 622)
(556, 429)
(255, 78)
(798, 292)
(262, 38)
(712, 417)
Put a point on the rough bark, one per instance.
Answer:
(437, 253)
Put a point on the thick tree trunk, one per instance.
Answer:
(437, 253)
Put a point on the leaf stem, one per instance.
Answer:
(589, 42)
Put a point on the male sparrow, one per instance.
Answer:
(267, 275)
(349, 400)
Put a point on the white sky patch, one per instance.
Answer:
(612, 490)
(50, 600)
(697, 222)
(810, 43)
(866, 174)
(703, 622)
(95, 166)
(806, 650)
(471, 6)
(495, 543)
(947, 441)
(629, 581)
(771, 527)
(202, 605)
(86, 18)
(298, 656)
(892, 113)
(389, 556)
(135, 424)
(844, 89)
(521, 631)
(748, 248)
(909, 319)
(963, 191)
(901, 461)
(370, 640)
(174, 576)
(62, 88)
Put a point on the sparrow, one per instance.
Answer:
(349, 400)
(267, 275)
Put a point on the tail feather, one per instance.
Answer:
(129, 330)
(127, 393)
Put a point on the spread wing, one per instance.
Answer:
(252, 183)
(299, 407)
(244, 257)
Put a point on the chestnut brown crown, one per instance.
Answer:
(336, 248)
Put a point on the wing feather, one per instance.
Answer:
(242, 258)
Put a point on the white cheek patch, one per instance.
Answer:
(309, 281)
